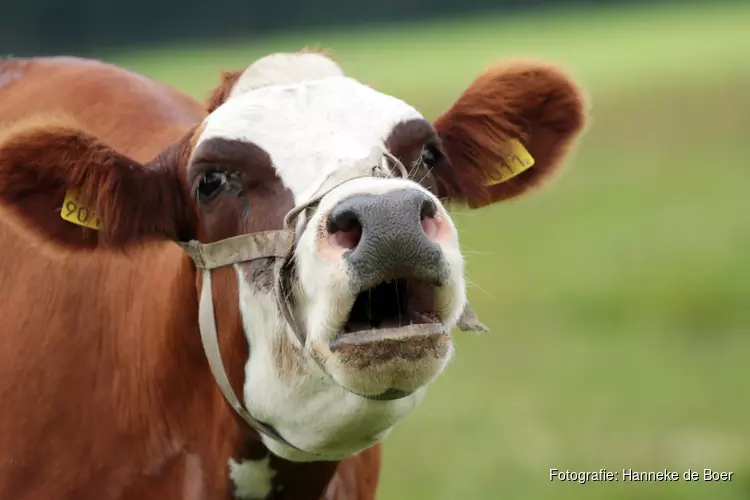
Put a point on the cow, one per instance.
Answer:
(287, 242)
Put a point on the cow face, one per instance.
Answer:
(377, 253)
(379, 250)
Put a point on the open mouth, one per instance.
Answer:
(394, 322)
(400, 304)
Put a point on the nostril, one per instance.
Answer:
(429, 209)
(342, 220)
(427, 216)
(346, 239)
(344, 229)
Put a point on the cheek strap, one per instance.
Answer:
(242, 248)
(248, 247)
(210, 341)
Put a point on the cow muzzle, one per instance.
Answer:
(392, 341)
(396, 232)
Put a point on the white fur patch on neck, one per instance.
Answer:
(285, 68)
(251, 478)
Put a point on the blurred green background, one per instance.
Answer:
(619, 298)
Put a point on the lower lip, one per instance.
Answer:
(400, 334)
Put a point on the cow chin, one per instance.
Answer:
(394, 340)
(391, 366)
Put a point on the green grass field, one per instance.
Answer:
(618, 299)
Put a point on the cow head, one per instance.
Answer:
(379, 250)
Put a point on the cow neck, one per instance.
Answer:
(291, 480)
(171, 369)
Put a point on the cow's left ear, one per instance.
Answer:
(509, 131)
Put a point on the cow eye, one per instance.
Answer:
(430, 156)
(211, 184)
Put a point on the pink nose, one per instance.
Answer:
(388, 235)
(345, 221)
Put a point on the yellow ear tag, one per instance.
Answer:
(73, 211)
(516, 160)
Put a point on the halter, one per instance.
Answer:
(279, 246)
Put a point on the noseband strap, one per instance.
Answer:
(242, 248)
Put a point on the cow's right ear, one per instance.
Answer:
(53, 177)
(508, 133)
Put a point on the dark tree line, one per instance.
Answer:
(31, 27)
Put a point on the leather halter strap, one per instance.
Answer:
(269, 244)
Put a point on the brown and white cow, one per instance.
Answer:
(105, 386)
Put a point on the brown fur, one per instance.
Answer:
(40, 163)
(407, 142)
(537, 104)
(220, 94)
(90, 90)
(264, 209)
(108, 389)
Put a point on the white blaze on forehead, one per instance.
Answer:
(284, 69)
(311, 129)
